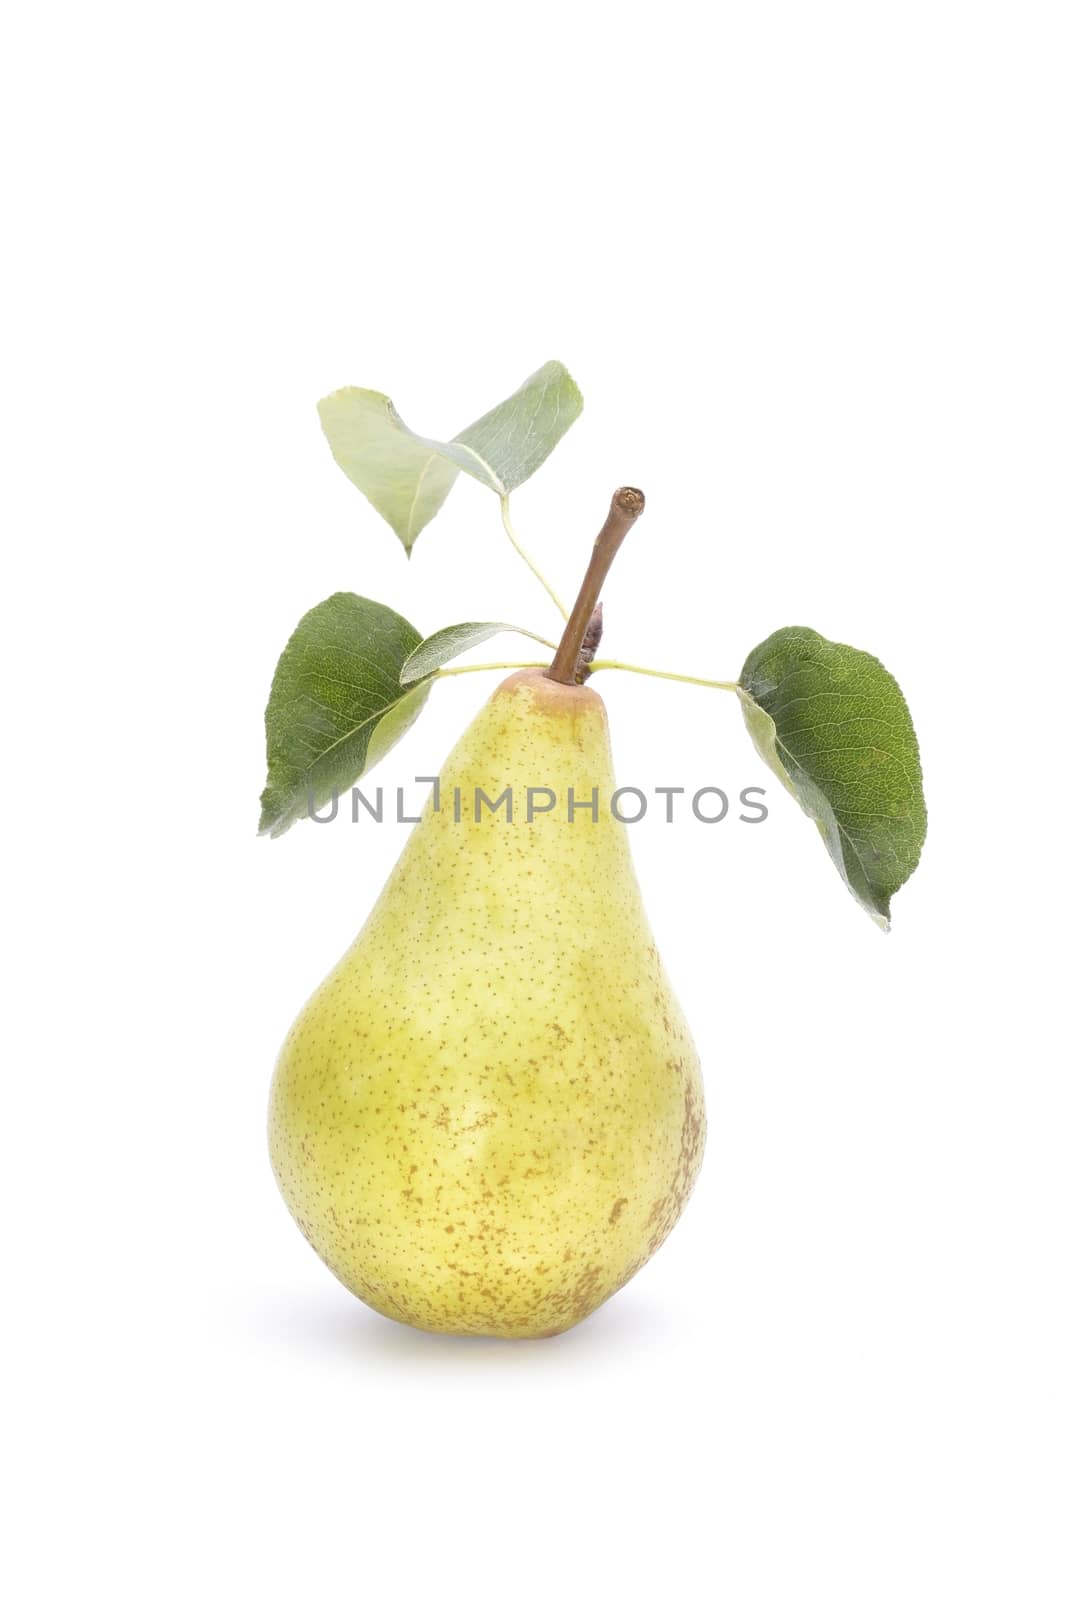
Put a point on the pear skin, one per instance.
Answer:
(490, 1114)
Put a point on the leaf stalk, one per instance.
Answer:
(505, 512)
(654, 672)
(487, 666)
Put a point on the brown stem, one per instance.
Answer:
(590, 644)
(626, 506)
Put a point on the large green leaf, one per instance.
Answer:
(834, 726)
(336, 704)
(448, 643)
(407, 477)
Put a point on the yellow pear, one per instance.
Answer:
(490, 1114)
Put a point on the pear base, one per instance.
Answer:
(516, 1261)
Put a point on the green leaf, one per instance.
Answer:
(404, 477)
(396, 722)
(515, 438)
(832, 723)
(448, 643)
(407, 477)
(336, 704)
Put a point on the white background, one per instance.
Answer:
(808, 265)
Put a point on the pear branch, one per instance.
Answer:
(626, 506)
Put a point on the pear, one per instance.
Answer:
(490, 1114)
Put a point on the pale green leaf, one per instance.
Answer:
(516, 437)
(407, 477)
(448, 643)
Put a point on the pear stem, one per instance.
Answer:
(626, 506)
